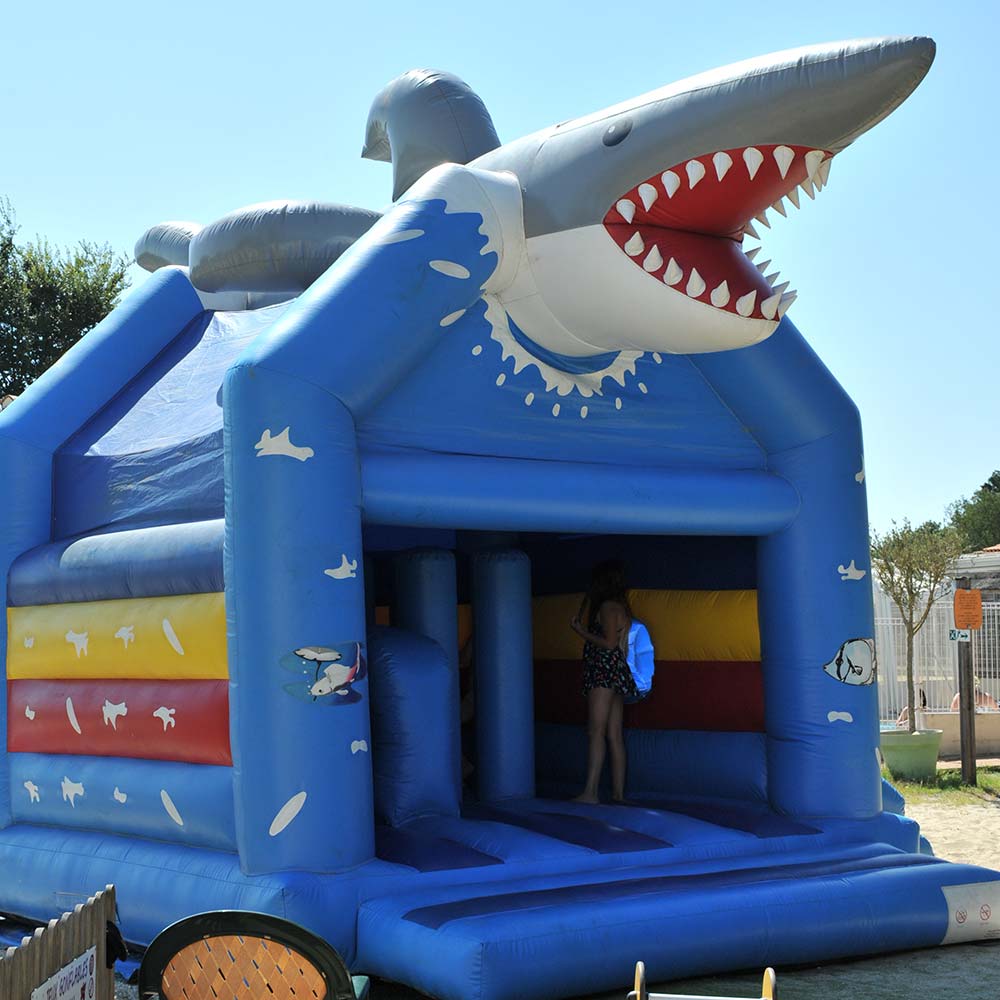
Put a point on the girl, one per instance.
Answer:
(607, 680)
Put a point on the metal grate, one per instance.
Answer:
(238, 967)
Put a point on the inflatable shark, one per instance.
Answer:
(629, 228)
(641, 209)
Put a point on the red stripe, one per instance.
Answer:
(195, 731)
(713, 696)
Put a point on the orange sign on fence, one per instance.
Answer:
(968, 609)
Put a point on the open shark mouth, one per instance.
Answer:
(685, 227)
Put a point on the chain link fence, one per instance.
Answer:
(935, 656)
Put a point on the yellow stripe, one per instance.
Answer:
(153, 638)
(701, 625)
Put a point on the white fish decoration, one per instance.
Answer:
(854, 663)
(839, 717)
(287, 813)
(70, 790)
(850, 572)
(168, 804)
(166, 716)
(347, 570)
(859, 477)
(336, 679)
(79, 641)
(32, 789)
(126, 633)
(168, 631)
(112, 713)
(29, 713)
(71, 715)
(321, 654)
(280, 444)
(29, 641)
(359, 746)
(120, 796)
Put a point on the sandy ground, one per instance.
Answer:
(969, 833)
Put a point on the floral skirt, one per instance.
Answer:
(607, 668)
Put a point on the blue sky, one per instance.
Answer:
(114, 116)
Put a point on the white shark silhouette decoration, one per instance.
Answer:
(347, 570)
(119, 796)
(112, 713)
(79, 641)
(70, 790)
(850, 572)
(280, 444)
(32, 789)
(166, 716)
(126, 633)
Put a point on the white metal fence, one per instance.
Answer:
(935, 656)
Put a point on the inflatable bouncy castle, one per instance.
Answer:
(254, 515)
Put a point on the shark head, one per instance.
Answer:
(635, 216)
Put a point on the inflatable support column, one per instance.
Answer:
(814, 582)
(426, 602)
(294, 563)
(504, 665)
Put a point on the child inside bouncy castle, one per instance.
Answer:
(603, 622)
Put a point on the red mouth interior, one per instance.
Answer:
(684, 227)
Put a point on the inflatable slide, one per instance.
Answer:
(254, 516)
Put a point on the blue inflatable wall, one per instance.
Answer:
(293, 539)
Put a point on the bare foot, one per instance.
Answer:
(592, 800)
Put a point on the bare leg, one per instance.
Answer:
(616, 747)
(599, 702)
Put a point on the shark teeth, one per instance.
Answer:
(635, 246)
(769, 306)
(783, 156)
(722, 161)
(695, 171)
(813, 159)
(753, 158)
(696, 284)
(751, 180)
(720, 295)
(626, 209)
(648, 194)
(744, 304)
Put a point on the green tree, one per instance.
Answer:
(49, 298)
(912, 566)
(978, 517)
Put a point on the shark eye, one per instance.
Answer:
(618, 132)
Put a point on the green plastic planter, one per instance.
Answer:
(911, 756)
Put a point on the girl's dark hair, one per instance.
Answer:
(607, 583)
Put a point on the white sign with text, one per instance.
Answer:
(76, 981)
